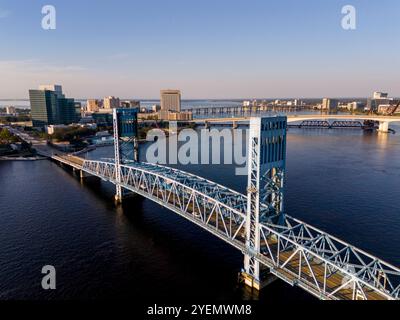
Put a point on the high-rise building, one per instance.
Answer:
(380, 95)
(50, 107)
(174, 116)
(93, 105)
(330, 104)
(170, 100)
(78, 110)
(111, 102)
(51, 87)
(378, 99)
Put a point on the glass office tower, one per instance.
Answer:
(51, 107)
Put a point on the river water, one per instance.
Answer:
(345, 182)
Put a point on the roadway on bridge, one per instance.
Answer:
(295, 252)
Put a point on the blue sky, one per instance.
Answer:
(208, 49)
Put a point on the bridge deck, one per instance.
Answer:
(73, 161)
(295, 252)
(315, 268)
(311, 272)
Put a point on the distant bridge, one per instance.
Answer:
(210, 110)
(256, 223)
(330, 125)
(384, 121)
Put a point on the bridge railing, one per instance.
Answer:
(314, 258)
(103, 170)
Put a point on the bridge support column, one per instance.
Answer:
(266, 279)
(125, 132)
(384, 126)
(117, 157)
(83, 174)
(251, 273)
(267, 159)
(123, 194)
(118, 194)
(250, 281)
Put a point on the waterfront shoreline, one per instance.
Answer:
(22, 158)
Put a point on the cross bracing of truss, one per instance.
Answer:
(294, 251)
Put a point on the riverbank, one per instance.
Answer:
(4, 158)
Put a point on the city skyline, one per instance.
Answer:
(218, 50)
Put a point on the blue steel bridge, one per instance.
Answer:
(273, 243)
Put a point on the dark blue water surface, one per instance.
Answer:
(345, 182)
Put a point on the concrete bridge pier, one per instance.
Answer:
(249, 281)
(384, 126)
(266, 278)
(123, 194)
(118, 194)
(83, 174)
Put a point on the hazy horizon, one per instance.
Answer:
(208, 49)
(204, 99)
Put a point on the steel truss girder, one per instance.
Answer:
(364, 272)
(222, 212)
(158, 184)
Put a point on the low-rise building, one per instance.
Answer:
(175, 116)
(51, 129)
(355, 106)
(246, 103)
(103, 117)
(92, 126)
(130, 104)
(330, 104)
(384, 108)
(155, 108)
(11, 110)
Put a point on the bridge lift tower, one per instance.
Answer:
(126, 145)
(267, 163)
